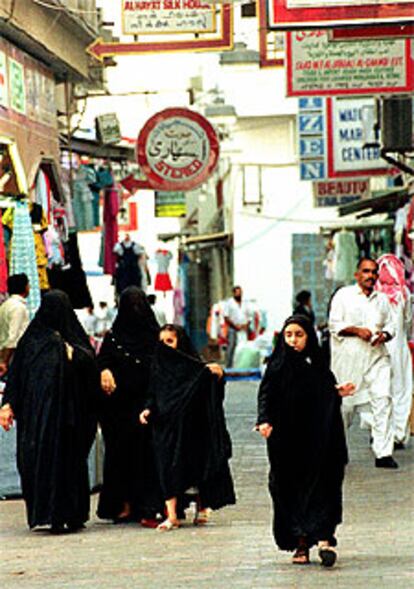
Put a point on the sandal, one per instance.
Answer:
(328, 555)
(167, 525)
(201, 517)
(301, 555)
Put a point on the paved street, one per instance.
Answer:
(236, 550)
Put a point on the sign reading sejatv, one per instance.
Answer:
(177, 149)
(316, 66)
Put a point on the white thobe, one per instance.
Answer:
(356, 360)
(401, 366)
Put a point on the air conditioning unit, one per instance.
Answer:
(397, 123)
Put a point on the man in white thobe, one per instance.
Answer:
(360, 323)
(14, 318)
(236, 316)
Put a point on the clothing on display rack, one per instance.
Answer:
(162, 279)
(39, 225)
(82, 198)
(128, 270)
(111, 208)
(346, 256)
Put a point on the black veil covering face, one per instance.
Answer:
(307, 448)
(129, 469)
(191, 441)
(54, 401)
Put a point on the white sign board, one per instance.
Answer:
(168, 16)
(346, 133)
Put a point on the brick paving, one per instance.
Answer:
(236, 549)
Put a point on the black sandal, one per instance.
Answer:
(302, 553)
(327, 554)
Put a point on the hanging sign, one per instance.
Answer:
(306, 14)
(170, 204)
(347, 155)
(177, 149)
(316, 66)
(333, 193)
(167, 16)
(17, 87)
(311, 123)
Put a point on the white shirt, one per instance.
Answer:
(236, 312)
(14, 319)
(353, 357)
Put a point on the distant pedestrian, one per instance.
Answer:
(236, 317)
(299, 415)
(304, 305)
(158, 312)
(391, 281)
(360, 322)
(14, 318)
(51, 391)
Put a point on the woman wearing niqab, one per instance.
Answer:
(130, 485)
(299, 414)
(51, 392)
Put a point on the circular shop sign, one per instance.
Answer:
(177, 149)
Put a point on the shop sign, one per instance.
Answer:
(316, 66)
(347, 155)
(306, 14)
(40, 95)
(4, 100)
(177, 149)
(170, 204)
(400, 30)
(196, 26)
(17, 87)
(167, 16)
(333, 193)
(108, 129)
(312, 138)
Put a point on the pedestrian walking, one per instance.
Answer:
(191, 442)
(14, 318)
(303, 305)
(51, 392)
(236, 317)
(391, 281)
(299, 415)
(360, 322)
(130, 488)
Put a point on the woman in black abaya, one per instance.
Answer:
(191, 442)
(130, 487)
(299, 415)
(51, 392)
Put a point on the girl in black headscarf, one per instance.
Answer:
(191, 442)
(130, 485)
(299, 415)
(51, 392)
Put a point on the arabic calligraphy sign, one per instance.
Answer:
(177, 149)
(317, 67)
(167, 16)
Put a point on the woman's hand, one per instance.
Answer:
(143, 416)
(346, 389)
(215, 369)
(108, 383)
(6, 417)
(69, 351)
(265, 429)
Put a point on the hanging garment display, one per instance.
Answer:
(128, 270)
(23, 254)
(111, 208)
(39, 225)
(3, 263)
(43, 192)
(82, 198)
(346, 256)
(162, 279)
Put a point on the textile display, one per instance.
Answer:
(3, 262)
(39, 225)
(111, 208)
(346, 256)
(162, 278)
(82, 198)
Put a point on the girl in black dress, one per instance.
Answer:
(299, 415)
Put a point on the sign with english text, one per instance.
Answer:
(317, 66)
(311, 122)
(177, 149)
(333, 193)
(347, 155)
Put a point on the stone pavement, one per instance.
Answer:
(236, 550)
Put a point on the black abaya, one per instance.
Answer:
(307, 449)
(54, 402)
(129, 469)
(192, 445)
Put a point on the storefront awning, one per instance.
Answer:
(97, 150)
(206, 238)
(383, 202)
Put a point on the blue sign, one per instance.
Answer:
(311, 123)
(311, 103)
(312, 170)
(313, 147)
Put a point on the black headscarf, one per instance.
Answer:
(135, 327)
(184, 343)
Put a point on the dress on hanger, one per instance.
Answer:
(346, 256)
(162, 279)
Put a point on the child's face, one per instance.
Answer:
(169, 337)
(295, 337)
